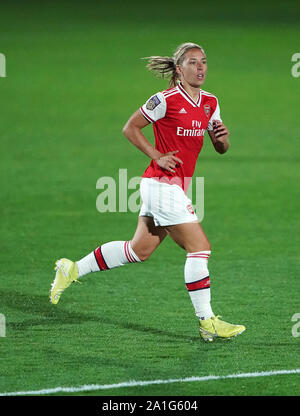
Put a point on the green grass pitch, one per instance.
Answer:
(73, 78)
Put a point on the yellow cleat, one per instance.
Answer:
(213, 328)
(66, 273)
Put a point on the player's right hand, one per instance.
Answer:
(169, 161)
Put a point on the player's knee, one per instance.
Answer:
(141, 251)
(143, 256)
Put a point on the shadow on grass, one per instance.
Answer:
(47, 314)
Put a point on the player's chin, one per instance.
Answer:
(198, 83)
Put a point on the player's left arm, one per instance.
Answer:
(219, 136)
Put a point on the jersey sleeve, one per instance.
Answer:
(155, 108)
(215, 116)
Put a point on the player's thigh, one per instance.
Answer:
(190, 236)
(147, 237)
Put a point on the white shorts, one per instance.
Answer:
(167, 204)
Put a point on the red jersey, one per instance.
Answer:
(179, 123)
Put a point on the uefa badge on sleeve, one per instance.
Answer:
(152, 102)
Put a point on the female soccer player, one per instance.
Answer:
(180, 117)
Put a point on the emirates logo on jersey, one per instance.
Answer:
(207, 109)
(194, 131)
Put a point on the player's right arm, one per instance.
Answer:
(133, 131)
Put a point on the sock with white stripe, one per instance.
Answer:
(107, 256)
(196, 276)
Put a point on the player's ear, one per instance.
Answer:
(178, 70)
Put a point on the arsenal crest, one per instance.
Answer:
(207, 109)
(190, 209)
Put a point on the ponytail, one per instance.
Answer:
(165, 66)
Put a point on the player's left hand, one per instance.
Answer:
(220, 130)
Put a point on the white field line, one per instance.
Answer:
(134, 383)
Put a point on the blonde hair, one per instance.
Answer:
(165, 66)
